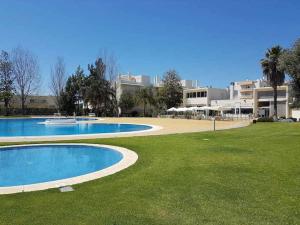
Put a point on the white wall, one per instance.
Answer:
(187, 83)
(296, 114)
(233, 103)
(196, 101)
(144, 80)
(212, 94)
(217, 94)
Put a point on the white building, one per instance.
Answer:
(186, 84)
(256, 97)
(203, 96)
(242, 97)
(130, 83)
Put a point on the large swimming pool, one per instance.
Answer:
(34, 127)
(26, 165)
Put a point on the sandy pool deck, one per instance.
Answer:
(161, 126)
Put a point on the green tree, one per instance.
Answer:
(144, 96)
(6, 80)
(158, 101)
(172, 90)
(126, 102)
(67, 103)
(99, 92)
(73, 93)
(78, 85)
(290, 62)
(272, 71)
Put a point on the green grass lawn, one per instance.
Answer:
(243, 176)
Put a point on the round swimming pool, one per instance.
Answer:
(43, 166)
(35, 127)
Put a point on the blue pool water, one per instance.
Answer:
(32, 127)
(36, 164)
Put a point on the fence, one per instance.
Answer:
(204, 117)
(30, 111)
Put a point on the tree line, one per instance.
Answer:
(96, 89)
(98, 93)
(19, 75)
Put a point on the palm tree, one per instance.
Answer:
(272, 73)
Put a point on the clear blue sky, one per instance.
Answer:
(215, 42)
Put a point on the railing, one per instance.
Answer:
(246, 96)
(204, 117)
(238, 116)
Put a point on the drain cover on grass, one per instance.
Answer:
(66, 189)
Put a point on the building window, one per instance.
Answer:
(199, 94)
(263, 104)
(203, 94)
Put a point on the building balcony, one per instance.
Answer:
(246, 83)
(246, 90)
(246, 96)
(271, 99)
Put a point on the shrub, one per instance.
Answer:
(265, 119)
(134, 114)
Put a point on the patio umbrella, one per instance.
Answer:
(216, 108)
(190, 109)
(183, 109)
(195, 108)
(204, 108)
(171, 109)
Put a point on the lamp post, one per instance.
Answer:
(214, 123)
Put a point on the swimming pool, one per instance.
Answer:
(34, 127)
(43, 166)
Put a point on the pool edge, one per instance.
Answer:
(129, 158)
(82, 136)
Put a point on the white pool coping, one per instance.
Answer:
(129, 158)
(78, 136)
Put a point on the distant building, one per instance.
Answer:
(186, 84)
(255, 97)
(203, 96)
(130, 83)
(33, 102)
(242, 97)
(34, 105)
(157, 81)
